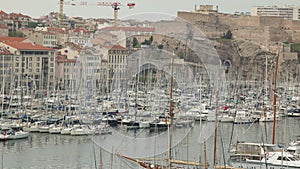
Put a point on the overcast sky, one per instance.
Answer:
(37, 8)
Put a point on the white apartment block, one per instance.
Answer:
(296, 13)
(287, 12)
(82, 41)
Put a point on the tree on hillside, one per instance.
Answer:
(160, 46)
(148, 42)
(151, 39)
(15, 34)
(135, 43)
(35, 24)
(227, 35)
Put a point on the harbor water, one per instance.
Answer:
(46, 151)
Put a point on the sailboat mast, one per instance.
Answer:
(215, 132)
(3, 85)
(266, 79)
(171, 114)
(275, 96)
(205, 162)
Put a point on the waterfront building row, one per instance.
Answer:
(35, 67)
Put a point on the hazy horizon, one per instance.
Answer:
(38, 8)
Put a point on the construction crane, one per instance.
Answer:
(61, 12)
(114, 5)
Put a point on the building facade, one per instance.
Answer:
(33, 66)
(47, 39)
(287, 12)
(296, 13)
(116, 65)
(6, 68)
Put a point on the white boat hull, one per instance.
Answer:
(16, 135)
(66, 131)
(55, 130)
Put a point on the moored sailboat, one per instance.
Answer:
(13, 134)
(259, 155)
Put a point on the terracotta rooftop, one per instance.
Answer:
(3, 13)
(26, 46)
(11, 39)
(19, 15)
(3, 26)
(46, 33)
(118, 47)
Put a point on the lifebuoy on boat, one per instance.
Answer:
(267, 154)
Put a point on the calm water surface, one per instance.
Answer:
(46, 151)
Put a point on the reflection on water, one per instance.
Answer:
(47, 151)
(42, 150)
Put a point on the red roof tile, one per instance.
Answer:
(26, 46)
(11, 39)
(3, 26)
(19, 15)
(46, 33)
(3, 13)
(118, 47)
(79, 30)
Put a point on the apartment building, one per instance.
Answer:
(68, 60)
(62, 35)
(14, 21)
(90, 60)
(65, 72)
(33, 65)
(6, 68)
(44, 38)
(3, 30)
(117, 65)
(296, 13)
(286, 12)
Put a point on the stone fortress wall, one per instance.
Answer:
(260, 29)
(267, 32)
